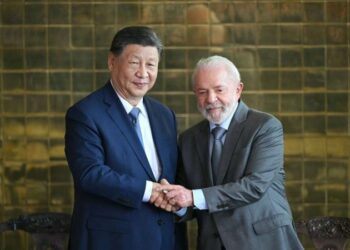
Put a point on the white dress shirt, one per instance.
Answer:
(147, 138)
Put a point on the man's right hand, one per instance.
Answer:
(158, 196)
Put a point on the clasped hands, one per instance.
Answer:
(170, 197)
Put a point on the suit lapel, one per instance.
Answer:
(120, 118)
(234, 131)
(202, 148)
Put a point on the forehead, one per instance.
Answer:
(139, 51)
(212, 74)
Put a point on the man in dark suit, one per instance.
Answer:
(118, 144)
(232, 168)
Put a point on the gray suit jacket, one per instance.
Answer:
(248, 208)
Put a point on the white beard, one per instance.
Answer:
(225, 113)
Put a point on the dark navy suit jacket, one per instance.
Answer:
(110, 169)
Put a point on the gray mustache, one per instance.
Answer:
(214, 106)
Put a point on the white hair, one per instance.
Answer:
(232, 70)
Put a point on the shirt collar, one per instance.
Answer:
(226, 123)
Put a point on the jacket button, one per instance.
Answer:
(160, 222)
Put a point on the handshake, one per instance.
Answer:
(170, 197)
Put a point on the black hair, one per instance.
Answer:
(140, 35)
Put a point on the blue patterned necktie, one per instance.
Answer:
(134, 114)
(218, 133)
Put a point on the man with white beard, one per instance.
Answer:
(231, 175)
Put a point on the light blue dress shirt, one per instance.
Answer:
(198, 196)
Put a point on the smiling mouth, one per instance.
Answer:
(212, 109)
(140, 84)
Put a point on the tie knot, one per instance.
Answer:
(134, 114)
(218, 132)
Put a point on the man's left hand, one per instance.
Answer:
(178, 195)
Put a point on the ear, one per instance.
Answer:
(239, 88)
(110, 61)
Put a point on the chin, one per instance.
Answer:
(140, 92)
(213, 119)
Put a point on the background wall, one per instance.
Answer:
(293, 56)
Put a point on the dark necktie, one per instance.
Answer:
(134, 114)
(218, 133)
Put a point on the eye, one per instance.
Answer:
(134, 62)
(201, 92)
(219, 90)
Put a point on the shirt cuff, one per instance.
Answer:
(199, 199)
(181, 212)
(148, 192)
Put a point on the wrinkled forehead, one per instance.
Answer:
(212, 73)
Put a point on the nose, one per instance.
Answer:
(142, 71)
(211, 98)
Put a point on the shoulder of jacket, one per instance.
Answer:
(263, 116)
(197, 128)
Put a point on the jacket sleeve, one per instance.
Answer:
(263, 167)
(85, 153)
(181, 180)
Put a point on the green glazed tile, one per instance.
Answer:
(314, 57)
(82, 81)
(292, 124)
(174, 13)
(291, 79)
(11, 37)
(314, 79)
(290, 34)
(337, 124)
(314, 124)
(59, 103)
(337, 79)
(314, 12)
(338, 102)
(59, 37)
(291, 57)
(314, 102)
(337, 11)
(82, 59)
(105, 13)
(268, 11)
(291, 12)
(36, 103)
(81, 13)
(267, 34)
(128, 13)
(60, 81)
(82, 36)
(58, 13)
(12, 13)
(314, 34)
(35, 13)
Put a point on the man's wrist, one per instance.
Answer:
(192, 199)
(148, 191)
(199, 201)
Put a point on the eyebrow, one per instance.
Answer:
(138, 57)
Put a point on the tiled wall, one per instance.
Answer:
(293, 56)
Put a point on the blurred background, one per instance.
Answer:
(293, 57)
